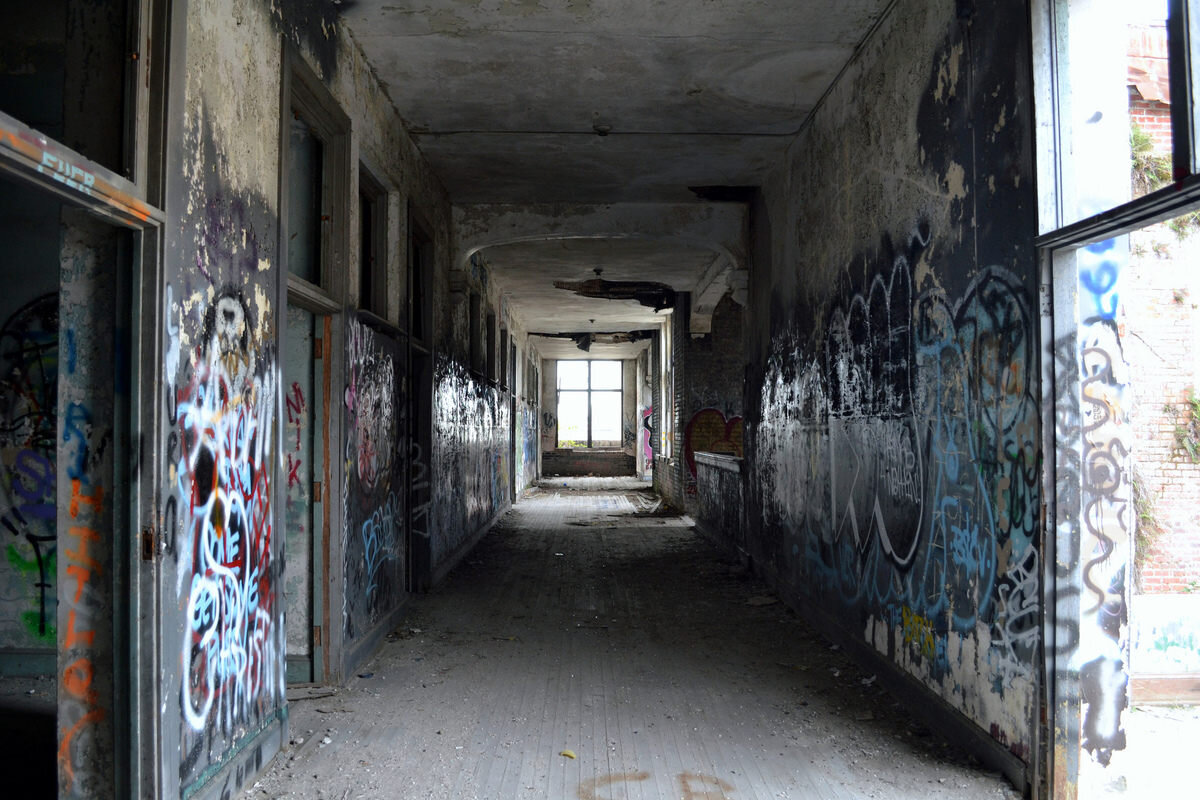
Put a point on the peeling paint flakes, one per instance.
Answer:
(956, 180)
(264, 265)
(263, 307)
(947, 79)
(992, 184)
(1002, 121)
(922, 272)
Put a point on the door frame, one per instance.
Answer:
(44, 164)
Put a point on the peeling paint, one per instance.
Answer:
(956, 181)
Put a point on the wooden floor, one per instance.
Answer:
(592, 648)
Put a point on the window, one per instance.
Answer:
(420, 268)
(315, 152)
(490, 333)
(372, 244)
(306, 162)
(503, 358)
(1116, 147)
(589, 403)
(474, 309)
(666, 413)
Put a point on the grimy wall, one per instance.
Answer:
(225, 399)
(893, 449)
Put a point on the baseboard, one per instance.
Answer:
(365, 646)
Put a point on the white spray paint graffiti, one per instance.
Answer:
(371, 403)
(232, 653)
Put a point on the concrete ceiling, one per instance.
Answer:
(505, 96)
(567, 350)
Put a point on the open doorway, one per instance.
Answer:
(66, 494)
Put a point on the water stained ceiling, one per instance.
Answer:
(603, 101)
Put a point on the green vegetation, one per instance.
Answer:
(1187, 426)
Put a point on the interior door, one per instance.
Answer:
(304, 458)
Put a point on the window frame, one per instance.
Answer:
(1052, 102)
(304, 95)
(374, 223)
(1064, 330)
(589, 391)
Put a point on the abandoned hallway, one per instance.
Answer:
(593, 622)
(311, 307)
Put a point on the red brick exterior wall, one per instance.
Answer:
(1162, 346)
(1152, 116)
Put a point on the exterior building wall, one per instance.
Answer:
(1161, 336)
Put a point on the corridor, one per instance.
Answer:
(592, 623)
(330, 327)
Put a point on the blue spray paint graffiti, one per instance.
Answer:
(373, 477)
(902, 450)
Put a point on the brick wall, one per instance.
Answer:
(1152, 116)
(1161, 336)
(598, 463)
(716, 377)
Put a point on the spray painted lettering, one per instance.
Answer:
(233, 651)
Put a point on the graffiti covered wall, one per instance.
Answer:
(373, 477)
(471, 464)
(221, 406)
(894, 455)
(528, 437)
(30, 225)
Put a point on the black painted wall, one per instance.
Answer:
(892, 425)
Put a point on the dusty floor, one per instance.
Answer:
(592, 647)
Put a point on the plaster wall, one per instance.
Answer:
(714, 393)
(222, 402)
(893, 463)
(483, 430)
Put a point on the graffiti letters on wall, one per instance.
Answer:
(28, 429)
(1105, 517)
(87, 384)
(373, 477)
(224, 452)
(898, 444)
(471, 471)
(527, 451)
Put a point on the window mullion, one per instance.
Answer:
(1182, 81)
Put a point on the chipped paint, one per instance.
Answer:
(956, 178)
